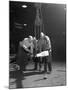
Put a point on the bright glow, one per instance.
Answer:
(25, 24)
(24, 6)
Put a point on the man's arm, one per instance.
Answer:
(49, 43)
(28, 50)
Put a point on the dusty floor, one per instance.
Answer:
(36, 79)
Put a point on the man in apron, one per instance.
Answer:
(25, 47)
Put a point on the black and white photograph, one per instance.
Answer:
(37, 44)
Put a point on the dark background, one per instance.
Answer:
(54, 19)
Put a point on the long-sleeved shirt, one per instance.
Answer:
(44, 44)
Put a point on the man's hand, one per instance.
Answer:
(50, 50)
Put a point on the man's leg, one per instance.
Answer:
(45, 64)
(35, 63)
(45, 67)
(49, 66)
(49, 63)
(40, 62)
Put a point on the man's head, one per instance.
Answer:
(42, 35)
(25, 38)
(30, 38)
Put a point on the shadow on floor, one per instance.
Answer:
(33, 73)
(40, 79)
